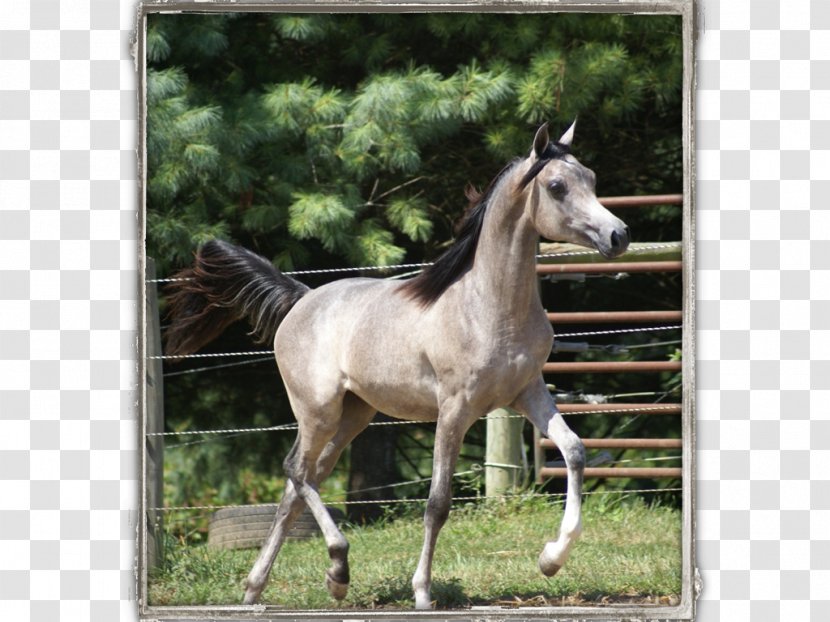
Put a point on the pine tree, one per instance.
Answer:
(355, 134)
(323, 140)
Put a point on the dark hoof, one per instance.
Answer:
(337, 590)
(549, 570)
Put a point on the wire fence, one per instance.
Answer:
(469, 498)
(294, 426)
(593, 333)
(196, 370)
(477, 469)
(420, 266)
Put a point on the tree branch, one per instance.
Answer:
(401, 186)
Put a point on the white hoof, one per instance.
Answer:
(552, 559)
(423, 602)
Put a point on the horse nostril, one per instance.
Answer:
(619, 239)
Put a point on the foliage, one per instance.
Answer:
(267, 127)
(324, 140)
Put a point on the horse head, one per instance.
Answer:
(562, 202)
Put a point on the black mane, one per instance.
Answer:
(554, 151)
(435, 279)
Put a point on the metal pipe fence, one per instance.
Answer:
(615, 317)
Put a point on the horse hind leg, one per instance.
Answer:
(289, 509)
(313, 463)
(355, 417)
(357, 414)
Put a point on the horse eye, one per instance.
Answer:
(557, 189)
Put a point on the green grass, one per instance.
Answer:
(486, 555)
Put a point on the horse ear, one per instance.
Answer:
(540, 142)
(568, 136)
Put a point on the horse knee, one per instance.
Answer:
(574, 452)
(289, 465)
(437, 512)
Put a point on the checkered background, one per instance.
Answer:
(68, 421)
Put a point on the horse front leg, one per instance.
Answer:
(537, 404)
(448, 438)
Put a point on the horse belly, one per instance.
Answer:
(395, 383)
(394, 402)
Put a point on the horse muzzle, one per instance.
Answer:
(614, 244)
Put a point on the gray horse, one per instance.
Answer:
(466, 336)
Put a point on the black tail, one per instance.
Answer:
(227, 283)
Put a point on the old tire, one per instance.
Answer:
(246, 527)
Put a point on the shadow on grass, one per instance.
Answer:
(530, 598)
(450, 594)
(397, 592)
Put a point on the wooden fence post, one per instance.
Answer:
(503, 465)
(154, 422)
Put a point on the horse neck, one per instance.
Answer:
(505, 264)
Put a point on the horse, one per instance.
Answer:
(465, 336)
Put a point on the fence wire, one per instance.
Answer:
(294, 426)
(196, 370)
(550, 495)
(618, 331)
(410, 266)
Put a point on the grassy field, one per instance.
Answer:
(629, 553)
